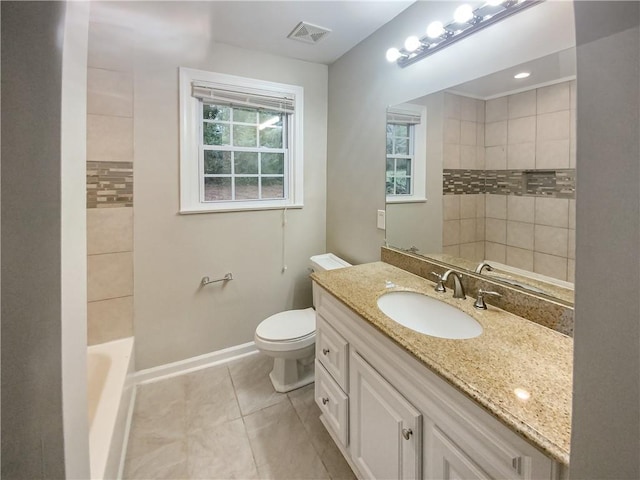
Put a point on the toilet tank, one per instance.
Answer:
(327, 261)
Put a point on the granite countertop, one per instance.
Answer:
(511, 353)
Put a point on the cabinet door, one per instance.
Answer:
(448, 462)
(385, 429)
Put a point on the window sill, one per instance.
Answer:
(247, 208)
(406, 200)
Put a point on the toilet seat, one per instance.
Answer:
(286, 331)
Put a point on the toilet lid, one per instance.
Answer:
(289, 325)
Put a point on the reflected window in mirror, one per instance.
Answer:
(405, 159)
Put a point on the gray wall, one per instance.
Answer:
(606, 422)
(363, 84)
(32, 430)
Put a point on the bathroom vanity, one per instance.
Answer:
(400, 404)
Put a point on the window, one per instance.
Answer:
(406, 154)
(241, 143)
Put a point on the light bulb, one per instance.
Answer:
(463, 13)
(412, 43)
(435, 29)
(393, 54)
(521, 75)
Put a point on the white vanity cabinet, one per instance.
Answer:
(392, 417)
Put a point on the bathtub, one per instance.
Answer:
(110, 399)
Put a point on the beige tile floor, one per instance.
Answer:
(227, 422)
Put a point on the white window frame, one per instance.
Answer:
(418, 134)
(191, 163)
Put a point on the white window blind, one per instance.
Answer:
(403, 117)
(235, 98)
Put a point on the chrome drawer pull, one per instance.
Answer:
(406, 433)
(325, 351)
(325, 400)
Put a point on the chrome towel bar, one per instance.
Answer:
(207, 281)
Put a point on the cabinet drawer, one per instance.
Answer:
(333, 403)
(333, 352)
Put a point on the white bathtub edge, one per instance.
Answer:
(192, 364)
(127, 431)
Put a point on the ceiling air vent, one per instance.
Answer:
(308, 33)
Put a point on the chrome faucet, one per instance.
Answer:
(483, 265)
(458, 289)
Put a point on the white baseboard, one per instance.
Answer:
(192, 364)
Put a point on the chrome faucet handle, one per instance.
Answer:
(439, 284)
(479, 303)
(483, 265)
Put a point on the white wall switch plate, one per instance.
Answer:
(381, 219)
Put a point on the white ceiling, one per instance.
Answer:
(264, 25)
(256, 25)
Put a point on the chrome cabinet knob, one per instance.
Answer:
(325, 351)
(406, 433)
(325, 400)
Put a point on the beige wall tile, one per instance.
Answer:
(480, 134)
(521, 156)
(451, 155)
(109, 276)
(521, 209)
(451, 207)
(571, 247)
(572, 213)
(468, 230)
(468, 109)
(495, 230)
(110, 47)
(553, 126)
(520, 258)
(468, 251)
(496, 252)
(109, 230)
(480, 205)
(571, 270)
(495, 133)
(468, 206)
(109, 320)
(451, 131)
(520, 235)
(522, 104)
(109, 139)
(109, 92)
(550, 265)
(468, 156)
(481, 111)
(522, 130)
(480, 230)
(467, 133)
(452, 106)
(479, 251)
(496, 206)
(552, 211)
(450, 232)
(453, 250)
(552, 154)
(551, 240)
(496, 110)
(496, 157)
(480, 158)
(554, 98)
(573, 94)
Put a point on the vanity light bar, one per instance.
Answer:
(489, 13)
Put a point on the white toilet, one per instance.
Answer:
(290, 337)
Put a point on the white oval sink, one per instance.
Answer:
(428, 315)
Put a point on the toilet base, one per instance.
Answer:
(290, 374)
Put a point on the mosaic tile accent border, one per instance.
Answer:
(559, 183)
(109, 184)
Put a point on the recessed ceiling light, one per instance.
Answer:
(522, 75)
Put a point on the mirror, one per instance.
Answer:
(485, 171)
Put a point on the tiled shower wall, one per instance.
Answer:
(527, 181)
(109, 183)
